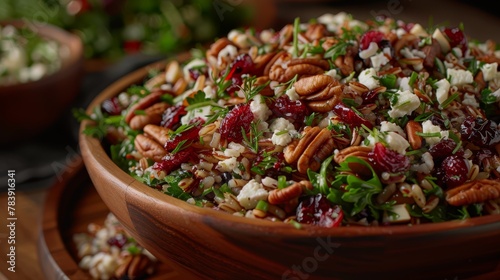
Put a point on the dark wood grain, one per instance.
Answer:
(216, 245)
(70, 205)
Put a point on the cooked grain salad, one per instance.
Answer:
(330, 122)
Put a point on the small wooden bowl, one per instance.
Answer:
(216, 245)
(27, 109)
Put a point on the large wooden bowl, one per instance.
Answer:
(215, 245)
(26, 109)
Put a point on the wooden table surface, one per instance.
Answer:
(478, 23)
(28, 207)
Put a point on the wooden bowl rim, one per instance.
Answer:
(91, 147)
(52, 32)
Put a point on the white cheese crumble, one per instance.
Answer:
(228, 53)
(443, 87)
(386, 126)
(400, 214)
(489, 71)
(470, 99)
(459, 77)
(195, 63)
(251, 193)
(371, 50)
(418, 30)
(379, 60)
(397, 142)
(406, 104)
(366, 77)
(428, 127)
(227, 165)
(282, 132)
(441, 39)
(404, 83)
(259, 108)
(201, 112)
(292, 94)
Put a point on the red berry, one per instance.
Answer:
(444, 148)
(119, 240)
(239, 117)
(318, 210)
(348, 116)
(171, 118)
(455, 171)
(112, 106)
(456, 37)
(386, 160)
(370, 36)
(480, 132)
(294, 111)
(173, 161)
(243, 64)
(189, 136)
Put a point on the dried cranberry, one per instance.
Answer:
(112, 106)
(294, 111)
(456, 38)
(444, 148)
(231, 126)
(370, 36)
(171, 118)
(243, 64)
(188, 136)
(119, 240)
(348, 116)
(386, 160)
(455, 171)
(173, 161)
(480, 132)
(318, 210)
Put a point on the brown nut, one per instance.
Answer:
(412, 127)
(159, 133)
(152, 115)
(279, 196)
(139, 266)
(320, 92)
(474, 192)
(310, 150)
(355, 151)
(142, 104)
(297, 67)
(149, 148)
(121, 271)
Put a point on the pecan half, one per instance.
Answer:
(286, 70)
(356, 151)
(279, 196)
(308, 152)
(152, 115)
(149, 148)
(142, 104)
(134, 266)
(320, 92)
(474, 192)
(159, 133)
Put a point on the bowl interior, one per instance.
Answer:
(46, 98)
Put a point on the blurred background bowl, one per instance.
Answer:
(26, 109)
(215, 245)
